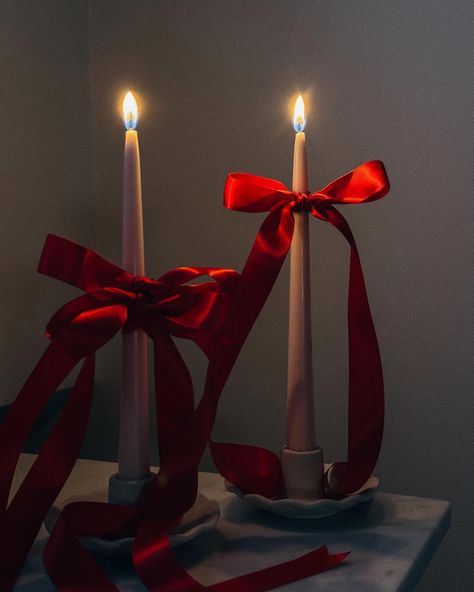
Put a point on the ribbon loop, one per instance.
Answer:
(302, 202)
(85, 324)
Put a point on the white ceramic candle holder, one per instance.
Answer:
(201, 517)
(307, 509)
(302, 473)
(127, 493)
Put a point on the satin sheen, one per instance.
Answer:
(217, 316)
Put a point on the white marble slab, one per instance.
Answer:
(391, 540)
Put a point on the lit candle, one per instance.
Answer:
(134, 436)
(301, 461)
(300, 404)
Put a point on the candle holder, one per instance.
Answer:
(307, 508)
(125, 492)
(201, 517)
(302, 474)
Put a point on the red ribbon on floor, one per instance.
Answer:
(256, 470)
(118, 301)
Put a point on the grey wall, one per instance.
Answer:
(45, 167)
(388, 80)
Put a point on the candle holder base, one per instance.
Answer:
(304, 508)
(127, 493)
(302, 473)
(200, 518)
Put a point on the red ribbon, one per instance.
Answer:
(256, 470)
(117, 301)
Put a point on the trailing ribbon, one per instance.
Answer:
(256, 470)
(114, 301)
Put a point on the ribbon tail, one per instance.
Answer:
(307, 565)
(69, 565)
(175, 416)
(22, 520)
(50, 371)
(262, 267)
(251, 468)
(366, 390)
(175, 488)
(174, 577)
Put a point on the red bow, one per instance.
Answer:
(254, 469)
(115, 300)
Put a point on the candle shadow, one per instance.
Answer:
(197, 550)
(289, 546)
(366, 515)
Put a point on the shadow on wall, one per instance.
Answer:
(103, 420)
(105, 449)
(44, 423)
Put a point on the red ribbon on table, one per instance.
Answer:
(118, 301)
(254, 469)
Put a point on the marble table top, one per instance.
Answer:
(392, 539)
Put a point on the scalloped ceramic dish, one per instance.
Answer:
(200, 518)
(321, 508)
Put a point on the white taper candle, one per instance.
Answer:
(300, 431)
(134, 449)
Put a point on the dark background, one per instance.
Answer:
(390, 80)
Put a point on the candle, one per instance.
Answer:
(302, 463)
(300, 432)
(133, 464)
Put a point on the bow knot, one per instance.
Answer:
(147, 296)
(142, 286)
(137, 309)
(302, 202)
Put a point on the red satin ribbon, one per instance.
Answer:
(117, 301)
(256, 470)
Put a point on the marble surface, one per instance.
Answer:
(391, 539)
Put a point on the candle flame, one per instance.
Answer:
(130, 111)
(299, 120)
